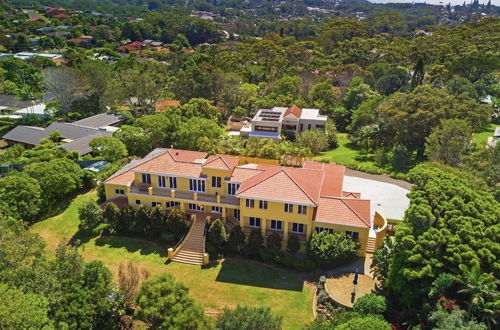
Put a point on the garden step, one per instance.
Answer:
(192, 250)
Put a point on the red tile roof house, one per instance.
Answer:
(273, 199)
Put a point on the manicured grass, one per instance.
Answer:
(229, 283)
(347, 153)
(481, 137)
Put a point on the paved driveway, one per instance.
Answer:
(389, 199)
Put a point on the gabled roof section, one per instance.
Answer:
(333, 180)
(186, 155)
(292, 185)
(99, 120)
(220, 162)
(242, 173)
(125, 175)
(294, 110)
(344, 212)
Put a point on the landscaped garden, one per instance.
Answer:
(229, 283)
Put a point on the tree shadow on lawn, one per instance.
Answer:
(251, 273)
(131, 244)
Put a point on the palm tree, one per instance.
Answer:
(481, 288)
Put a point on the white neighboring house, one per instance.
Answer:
(270, 123)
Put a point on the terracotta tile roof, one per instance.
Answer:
(241, 174)
(341, 211)
(161, 105)
(283, 184)
(313, 165)
(295, 110)
(186, 155)
(347, 194)
(125, 175)
(220, 162)
(333, 180)
(172, 162)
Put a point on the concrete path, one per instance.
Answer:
(387, 195)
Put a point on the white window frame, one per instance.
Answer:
(320, 229)
(197, 185)
(217, 209)
(277, 225)
(172, 204)
(302, 209)
(146, 178)
(232, 188)
(154, 204)
(352, 234)
(162, 182)
(236, 214)
(172, 182)
(250, 203)
(288, 208)
(195, 207)
(263, 205)
(254, 220)
(218, 182)
(296, 228)
(119, 191)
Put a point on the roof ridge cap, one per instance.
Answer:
(356, 213)
(293, 180)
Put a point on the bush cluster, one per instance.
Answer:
(330, 250)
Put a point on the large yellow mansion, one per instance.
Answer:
(272, 198)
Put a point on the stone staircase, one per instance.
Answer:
(192, 248)
(370, 245)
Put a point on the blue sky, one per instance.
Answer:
(456, 2)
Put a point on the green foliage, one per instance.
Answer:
(382, 259)
(236, 240)
(57, 178)
(370, 322)
(370, 304)
(90, 215)
(166, 304)
(20, 196)
(108, 147)
(293, 244)
(449, 142)
(255, 241)
(331, 250)
(195, 131)
(135, 139)
(217, 236)
(22, 310)
(454, 319)
(176, 224)
(314, 140)
(449, 223)
(273, 242)
(297, 263)
(249, 318)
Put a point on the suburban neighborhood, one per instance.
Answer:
(311, 165)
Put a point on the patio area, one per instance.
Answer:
(340, 288)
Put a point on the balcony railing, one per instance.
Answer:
(185, 195)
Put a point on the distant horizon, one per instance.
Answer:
(436, 2)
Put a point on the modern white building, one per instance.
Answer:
(271, 123)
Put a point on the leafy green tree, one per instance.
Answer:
(135, 139)
(22, 310)
(194, 131)
(324, 96)
(97, 74)
(293, 244)
(166, 304)
(217, 236)
(255, 241)
(176, 224)
(108, 147)
(410, 117)
(370, 304)
(315, 140)
(357, 94)
(331, 134)
(199, 107)
(449, 142)
(111, 215)
(20, 196)
(236, 240)
(401, 158)
(273, 242)
(454, 319)
(249, 318)
(160, 129)
(394, 80)
(330, 250)
(449, 223)
(458, 85)
(382, 260)
(369, 322)
(90, 215)
(57, 178)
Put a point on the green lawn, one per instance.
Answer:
(480, 138)
(348, 154)
(232, 282)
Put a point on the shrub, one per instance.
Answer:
(316, 141)
(371, 322)
(88, 180)
(175, 224)
(141, 220)
(236, 240)
(255, 241)
(216, 236)
(249, 318)
(103, 229)
(370, 304)
(271, 256)
(168, 238)
(90, 215)
(273, 242)
(293, 244)
(127, 219)
(111, 214)
(332, 249)
(157, 222)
